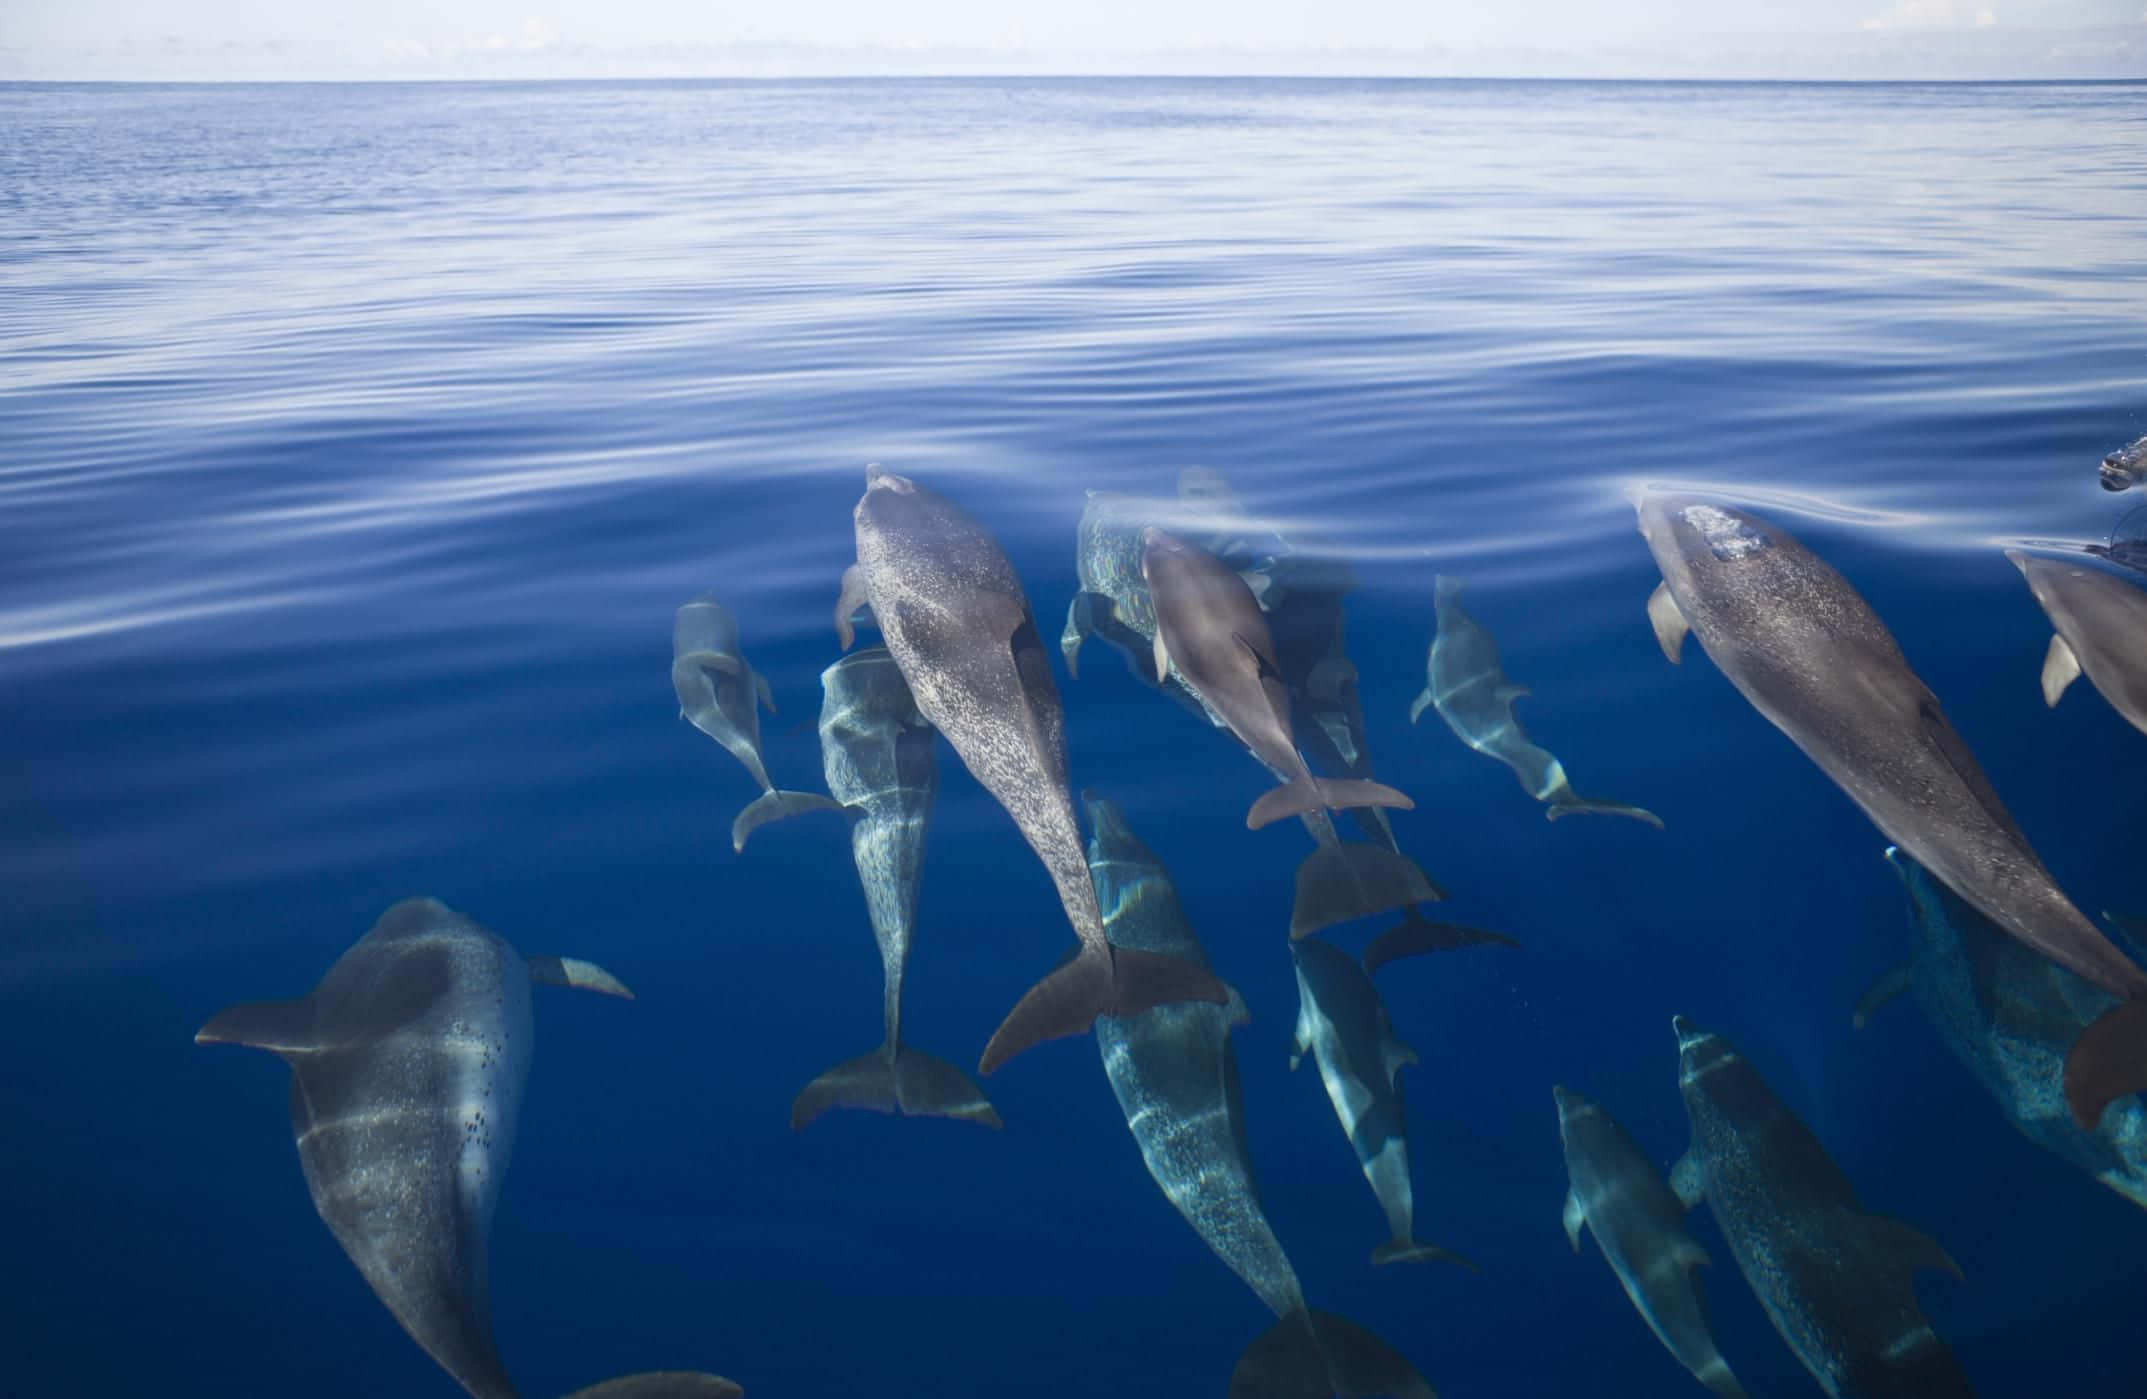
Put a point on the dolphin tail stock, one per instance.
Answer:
(896, 1080)
(1339, 882)
(1412, 1251)
(1416, 935)
(663, 1384)
(1099, 981)
(1302, 794)
(1571, 803)
(1318, 1355)
(2108, 1061)
(774, 805)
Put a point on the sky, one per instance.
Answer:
(213, 39)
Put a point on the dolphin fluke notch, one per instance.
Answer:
(1411, 1251)
(663, 1384)
(1303, 795)
(906, 1083)
(2108, 1061)
(1416, 935)
(1318, 1355)
(280, 1027)
(1119, 981)
(1570, 803)
(1337, 883)
(774, 806)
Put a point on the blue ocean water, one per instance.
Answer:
(360, 442)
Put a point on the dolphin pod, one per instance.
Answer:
(719, 694)
(407, 1063)
(1809, 653)
(956, 621)
(1469, 688)
(2101, 631)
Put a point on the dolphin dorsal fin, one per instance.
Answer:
(2060, 668)
(572, 971)
(280, 1027)
(1669, 623)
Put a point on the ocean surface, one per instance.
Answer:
(357, 444)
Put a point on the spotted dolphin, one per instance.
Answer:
(878, 753)
(2101, 630)
(1469, 688)
(955, 618)
(408, 1062)
(1835, 1281)
(717, 694)
(1809, 653)
(2125, 467)
(1619, 1196)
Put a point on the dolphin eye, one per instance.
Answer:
(1728, 537)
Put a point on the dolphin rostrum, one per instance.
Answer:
(1343, 1024)
(1809, 653)
(1472, 694)
(407, 1067)
(2127, 466)
(1176, 1078)
(2101, 629)
(1209, 625)
(2009, 1016)
(717, 694)
(958, 624)
(1835, 1281)
(878, 753)
(1640, 1226)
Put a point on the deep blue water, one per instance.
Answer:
(360, 441)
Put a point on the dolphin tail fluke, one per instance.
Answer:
(1337, 883)
(2108, 1061)
(1304, 794)
(1115, 982)
(1318, 1355)
(1573, 804)
(1416, 935)
(1410, 1251)
(774, 806)
(907, 1082)
(663, 1384)
(280, 1027)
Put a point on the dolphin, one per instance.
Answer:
(407, 1067)
(2127, 466)
(1835, 1280)
(663, 1384)
(877, 750)
(1176, 1079)
(1113, 603)
(1640, 1226)
(1472, 694)
(1209, 625)
(958, 625)
(2008, 1016)
(2101, 627)
(1809, 653)
(1342, 1023)
(716, 694)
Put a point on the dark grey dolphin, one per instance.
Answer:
(1176, 1078)
(2101, 624)
(1835, 1281)
(1472, 694)
(878, 753)
(407, 1067)
(1811, 655)
(1343, 1024)
(2127, 466)
(1210, 627)
(1640, 1226)
(717, 691)
(959, 626)
(2009, 1016)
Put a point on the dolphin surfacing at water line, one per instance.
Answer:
(1809, 653)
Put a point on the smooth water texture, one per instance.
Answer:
(359, 443)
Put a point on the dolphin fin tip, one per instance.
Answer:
(908, 1083)
(774, 806)
(1410, 1251)
(1338, 883)
(2107, 1062)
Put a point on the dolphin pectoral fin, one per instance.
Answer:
(1303, 794)
(1507, 692)
(2108, 1061)
(1418, 705)
(774, 806)
(663, 1384)
(908, 1082)
(1399, 1056)
(1669, 623)
(2131, 932)
(1687, 1182)
(1235, 1011)
(2060, 668)
(1575, 1216)
(711, 660)
(761, 692)
(1569, 803)
(1410, 1251)
(280, 1027)
(1317, 1355)
(1891, 983)
(1911, 1246)
(852, 597)
(1078, 627)
(1161, 657)
(1301, 1035)
(574, 972)
(1340, 882)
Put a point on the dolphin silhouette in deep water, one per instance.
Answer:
(2009, 1016)
(717, 694)
(1619, 1197)
(878, 753)
(1835, 1281)
(956, 620)
(1210, 627)
(1811, 655)
(1470, 690)
(408, 1062)
(2101, 624)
